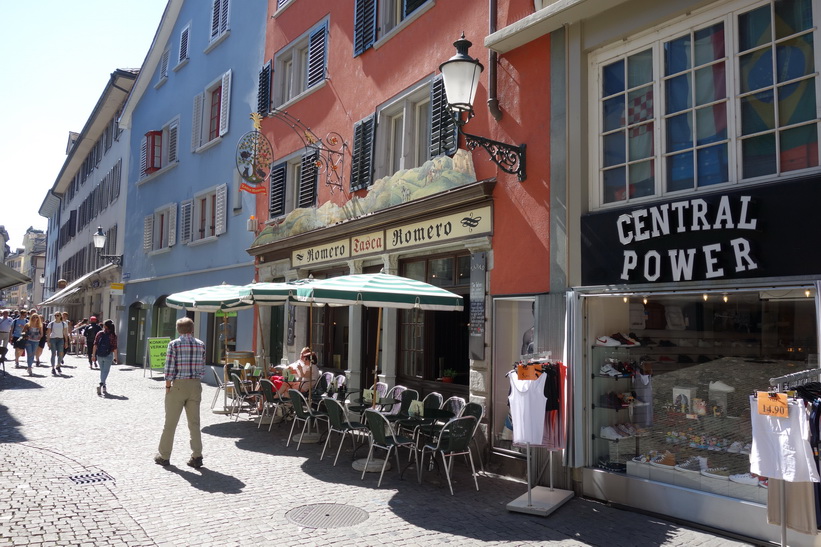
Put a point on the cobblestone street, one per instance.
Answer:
(77, 469)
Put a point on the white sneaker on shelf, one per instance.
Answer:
(745, 478)
(607, 341)
(721, 386)
(735, 448)
(609, 432)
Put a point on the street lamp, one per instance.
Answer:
(99, 242)
(460, 75)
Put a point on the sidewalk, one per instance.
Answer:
(77, 469)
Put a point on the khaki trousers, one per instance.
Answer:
(184, 394)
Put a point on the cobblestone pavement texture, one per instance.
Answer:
(77, 469)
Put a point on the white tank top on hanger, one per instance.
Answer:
(527, 409)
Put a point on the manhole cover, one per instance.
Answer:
(90, 478)
(326, 515)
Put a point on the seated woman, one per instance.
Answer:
(300, 374)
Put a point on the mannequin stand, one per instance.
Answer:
(540, 500)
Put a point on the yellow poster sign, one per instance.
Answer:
(156, 352)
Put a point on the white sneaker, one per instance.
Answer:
(735, 448)
(747, 448)
(607, 341)
(745, 478)
(609, 432)
(721, 386)
(608, 370)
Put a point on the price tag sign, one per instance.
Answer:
(527, 372)
(773, 404)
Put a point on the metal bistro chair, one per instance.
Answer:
(220, 388)
(302, 413)
(454, 404)
(432, 401)
(241, 395)
(339, 423)
(453, 440)
(381, 390)
(269, 401)
(403, 411)
(383, 437)
(477, 411)
(395, 394)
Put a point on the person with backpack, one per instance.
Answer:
(90, 333)
(104, 352)
(16, 337)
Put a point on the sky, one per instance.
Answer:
(57, 57)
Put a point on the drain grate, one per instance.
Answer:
(327, 515)
(91, 478)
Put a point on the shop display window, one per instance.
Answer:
(670, 378)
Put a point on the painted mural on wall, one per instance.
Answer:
(437, 175)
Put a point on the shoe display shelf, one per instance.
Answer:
(607, 410)
(684, 347)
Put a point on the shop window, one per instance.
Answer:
(433, 345)
(664, 105)
(165, 320)
(671, 381)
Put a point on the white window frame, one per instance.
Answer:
(655, 39)
(403, 109)
(160, 229)
(184, 50)
(291, 68)
(388, 27)
(201, 115)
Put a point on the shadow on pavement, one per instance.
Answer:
(9, 432)
(211, 481)
(115, 397)
(12, 381)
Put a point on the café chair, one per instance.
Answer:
(477, 411)
(453, 440)
(302, 413)
(432, 401)
(402, 412)
(454, 404)
(220, 388)
(339, 423)
(383, 437)
(270, 402)
(395, 394)
(241, 395)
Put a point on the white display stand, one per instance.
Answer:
(540, 500)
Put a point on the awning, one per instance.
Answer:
(73, 287)
(10, 277)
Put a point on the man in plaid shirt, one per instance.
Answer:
(184, 369)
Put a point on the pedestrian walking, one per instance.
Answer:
(32, 332)
(16, 336)
(184, 369)
(5, 328)
(105, 353)
(90, 333)
(56, 332)
(68, 336)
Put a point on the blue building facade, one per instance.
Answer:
(187, 219)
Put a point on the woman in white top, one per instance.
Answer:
(57, 333)
(304, 369)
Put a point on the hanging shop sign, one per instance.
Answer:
(758, 232)
(469, 223)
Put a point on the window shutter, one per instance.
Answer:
(224, 17)
(225, 102)
(215, 19)
(316, 56)
(163, 66)
(362, 162)
(277, 193)
(196, 124)
(117, 179)
(173, 130)
(364, 25)
(186, 214)
(184, 45)
(412, 5)
(172, 225)
(148, 233)
(307, 180)
(222, 208)
(143, 156)
(281, 3)
(443, 136)
(264, 90)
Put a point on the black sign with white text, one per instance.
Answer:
(760, 231)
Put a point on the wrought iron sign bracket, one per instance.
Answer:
(510, 158)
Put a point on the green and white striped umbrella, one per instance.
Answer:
(209, 299)
(379, 290)
(271, 293)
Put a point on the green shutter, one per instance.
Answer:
(264, 90)
(307, 180)
(443, 136)
(277, 193)
(362, 162)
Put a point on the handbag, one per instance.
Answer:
(20, 343)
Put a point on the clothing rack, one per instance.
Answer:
(539, 500)
(781, 383)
